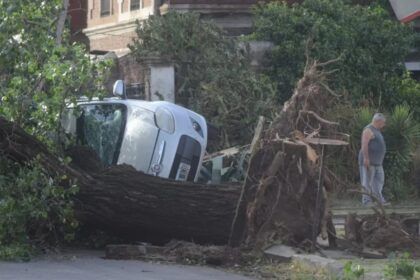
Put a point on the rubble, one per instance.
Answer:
(377, 235)
(178, 252)
(280, 253)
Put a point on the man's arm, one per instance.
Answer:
(366, 137)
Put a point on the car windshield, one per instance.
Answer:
(101, 127)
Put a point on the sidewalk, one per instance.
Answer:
(81, 265)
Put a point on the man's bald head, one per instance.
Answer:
(379, 120)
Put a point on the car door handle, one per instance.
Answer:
(157, 167)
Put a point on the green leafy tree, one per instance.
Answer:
(213, 74)
(34, 211)
(40, 70)
(370, 44)
(408, 93)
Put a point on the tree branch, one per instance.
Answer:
(322, 120)
(61, 23)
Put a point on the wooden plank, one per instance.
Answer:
(325, 141)
(223, 153)
(257, 134)
(239, 220)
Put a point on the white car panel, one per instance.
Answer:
(150, 149)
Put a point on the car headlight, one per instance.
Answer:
(165, 120)
(197, 127)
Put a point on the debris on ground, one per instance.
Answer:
(381, 232)
(225, 166)
(178, 251)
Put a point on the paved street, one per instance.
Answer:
(90, 266)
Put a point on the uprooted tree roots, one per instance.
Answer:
(283, 196)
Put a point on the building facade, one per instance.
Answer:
(111, 24)
(232, 15)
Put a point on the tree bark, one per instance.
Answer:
(137, 206)
(131, 204)
(61, 23)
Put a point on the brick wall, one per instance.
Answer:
(94, 13)
(78, 20)
(126, 68)
(115, 31)
(94, 17)
(114, 42)
(130, 70)
(77, 13)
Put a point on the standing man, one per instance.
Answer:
(371, 157)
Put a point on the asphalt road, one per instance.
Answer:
(90, 266)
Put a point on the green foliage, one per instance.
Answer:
(190, 43)
(353, 271)
(15, 252)
(401, 133)
(37, 73)
(35, 211)
(362, 117)
(408, 93)
(213, 74)
(401, 267)
(370, 44)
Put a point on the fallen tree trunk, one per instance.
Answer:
(141, 207)
(131, 204)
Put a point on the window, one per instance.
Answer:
(101, 128)
(135, 5)
(105, 8)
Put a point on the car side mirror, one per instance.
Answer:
(119, 89)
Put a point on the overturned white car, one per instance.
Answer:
(158, 138)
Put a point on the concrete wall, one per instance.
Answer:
(162, 83)
(257, 52)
